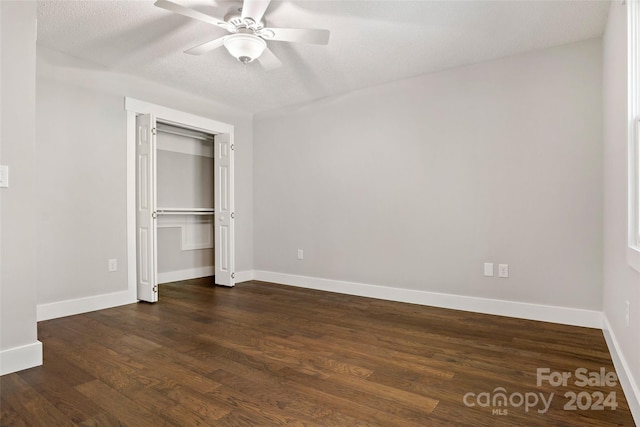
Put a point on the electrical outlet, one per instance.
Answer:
(300, 254)
(112, 265)
(626, 312)
(4, 176)
(503, 270)
(488, 269)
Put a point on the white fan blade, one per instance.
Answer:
(254, 9)
(296, 35)
(206, 47)
(268, 60)
(190, 13)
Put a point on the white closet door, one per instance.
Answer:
(224, 214)
(145, 208)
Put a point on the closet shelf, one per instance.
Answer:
(185, 211)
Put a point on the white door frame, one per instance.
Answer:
(165, 114)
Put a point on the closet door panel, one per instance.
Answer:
(224, 210)
(145, 209)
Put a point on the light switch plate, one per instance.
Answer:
(488, 269)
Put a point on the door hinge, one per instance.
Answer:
(155, 288)
(154, 131)
(232, 145)
(233, 275)
(233, 215)
(154, 214)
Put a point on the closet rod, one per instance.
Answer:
(185, 213)
(182, 211)
(175, 132)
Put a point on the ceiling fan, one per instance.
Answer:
(249, 32)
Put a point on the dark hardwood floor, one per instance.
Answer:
(261, 354)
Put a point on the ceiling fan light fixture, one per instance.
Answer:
(245, 47)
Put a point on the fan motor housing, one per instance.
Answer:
(236, 20)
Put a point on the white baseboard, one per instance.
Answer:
(545, 313)
(191, 273)
(71, 307)
(83, 305)
(244, 276)
(629, 384)
(19, 358)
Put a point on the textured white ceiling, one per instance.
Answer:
(372, 42)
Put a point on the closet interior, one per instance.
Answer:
(184, 203)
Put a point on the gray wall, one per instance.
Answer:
(416, 183)
(621, 282)
(184, 181)
(18, 202)
(81, 175)
(171, 258)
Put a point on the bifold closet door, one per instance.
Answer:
(146, 207)
(224, 210)
(146, 237)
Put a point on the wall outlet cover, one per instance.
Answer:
(4, 176)
(503, 270)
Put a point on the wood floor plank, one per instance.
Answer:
(262, 354)
(157, 362)
(61, 394)
(155, 402)
(123, 408)
(37, 410)
(9, 416)
(269, 404)
(207, 409)
(13, 384)
(280, 397)
(103, 419)
(107, 365)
